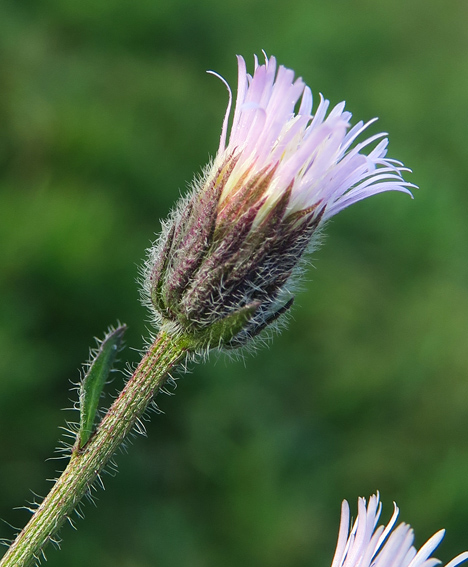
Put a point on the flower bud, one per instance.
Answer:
(223, 268)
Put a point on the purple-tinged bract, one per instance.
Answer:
(222, 269)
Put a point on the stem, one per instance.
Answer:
(86, 464)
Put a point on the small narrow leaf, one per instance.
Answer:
(93, 382)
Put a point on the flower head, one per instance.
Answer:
(313, 154)
(222, 269)
(369, 546)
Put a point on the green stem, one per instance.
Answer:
(86, 464)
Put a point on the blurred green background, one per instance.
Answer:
(106, 112)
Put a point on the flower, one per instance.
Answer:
(368, 546)
(223, 268)
(312, 154)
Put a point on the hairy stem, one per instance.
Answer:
(86, 464)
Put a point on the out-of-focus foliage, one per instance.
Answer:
(106, 112)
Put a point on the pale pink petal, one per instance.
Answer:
(367, 545)
(318, 153)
